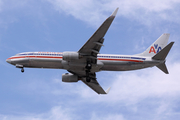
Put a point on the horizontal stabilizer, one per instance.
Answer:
(163, 67)
(163, 53)
(162, 56)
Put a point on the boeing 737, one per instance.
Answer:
(83, 64)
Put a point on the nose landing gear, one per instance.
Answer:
(20, 66)
(22, 70)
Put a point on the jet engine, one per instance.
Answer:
(68, 56)
(67, 77)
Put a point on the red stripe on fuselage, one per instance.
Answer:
(34, 57)
(129, 60)
(120, 60)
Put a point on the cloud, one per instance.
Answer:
(95, 12)
(146, 12)
(147, 93)
(13, 11)
(85, 10)
(60, 113)
(148, 90)
(56, 113)
(107, 117)
(6, 7)
(141, 84)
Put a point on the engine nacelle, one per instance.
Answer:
(68, 56)
(67, 77)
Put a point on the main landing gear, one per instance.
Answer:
(88, 79)
(88, 66)
(88, 70)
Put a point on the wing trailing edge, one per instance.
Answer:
(92, 47)
(94, 85)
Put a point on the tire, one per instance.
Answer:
(88, 79)
(22, 70)
(88, 66)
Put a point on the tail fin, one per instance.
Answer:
(162, 56)
(158, 45)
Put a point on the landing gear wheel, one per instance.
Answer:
(88, 79)
(88, 66)
(88, 70)
(22, 70)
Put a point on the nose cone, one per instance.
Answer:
(8, 61)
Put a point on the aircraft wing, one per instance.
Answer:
(92, 47)
(89, 53)
(94, 85)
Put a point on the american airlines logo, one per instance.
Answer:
(155, 48)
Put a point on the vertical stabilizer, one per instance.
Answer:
(157, 46)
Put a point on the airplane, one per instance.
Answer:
(83, 64)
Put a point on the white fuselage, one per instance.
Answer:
(55, 60)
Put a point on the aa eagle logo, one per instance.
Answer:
(155, 48)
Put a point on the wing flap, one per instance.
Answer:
(94, 85)
(95, 42)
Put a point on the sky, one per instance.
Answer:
(65, 25)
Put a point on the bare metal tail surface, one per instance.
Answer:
(157, 46)
(159, 51)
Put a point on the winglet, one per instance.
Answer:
(107, 91)
(115, 12)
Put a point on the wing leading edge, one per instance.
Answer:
(92, 47)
